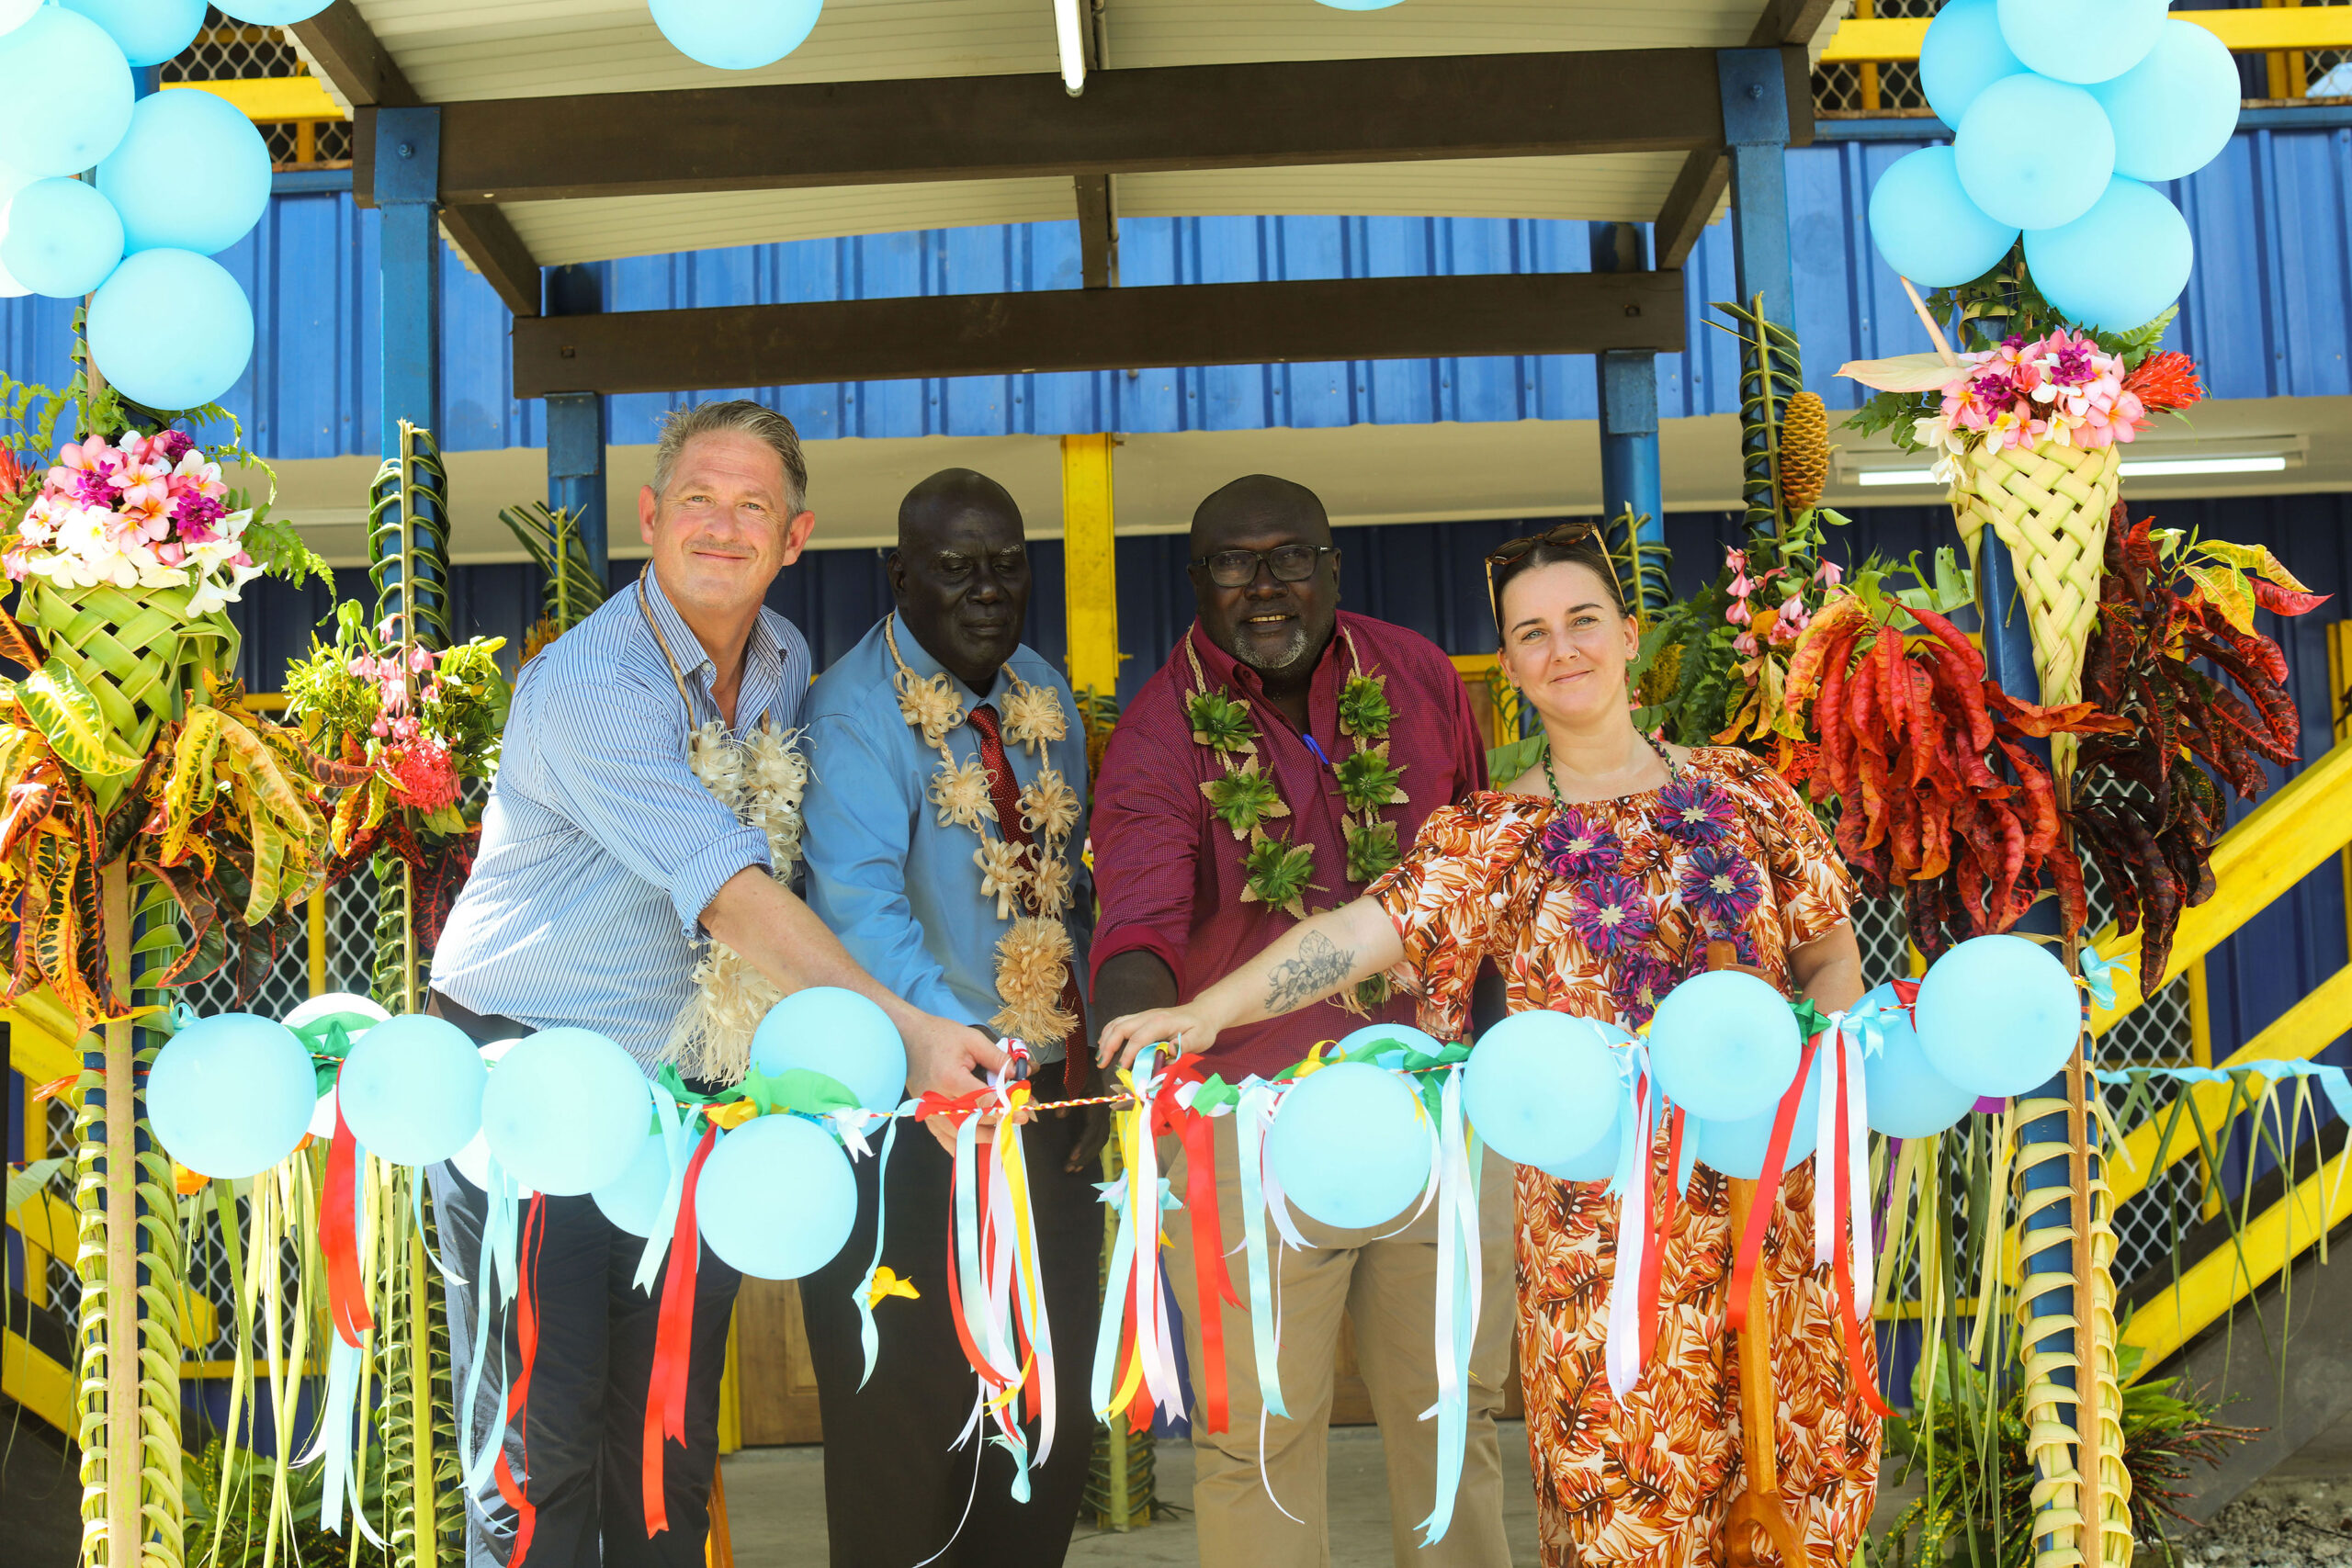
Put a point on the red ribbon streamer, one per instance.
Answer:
(1768, 1189)
(1848, 1318)
(673, 1343)
(526, 1338)
(339, 1235)
(1208, 1262)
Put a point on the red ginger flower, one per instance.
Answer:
(424, 777)
(2167, 380)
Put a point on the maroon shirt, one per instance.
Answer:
(1170, 873)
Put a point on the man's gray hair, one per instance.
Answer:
(744, 417)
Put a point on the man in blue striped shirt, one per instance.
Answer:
(604, 864)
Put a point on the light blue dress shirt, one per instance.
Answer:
(600, 849)
(901, 891)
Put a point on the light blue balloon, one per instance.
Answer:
(2173, 112)
(839, 1034)
(412, 1090)
(1908, 1099)
(212, 337)
(2081, 41)
(632, 1200)
(64, 239)
(2033, 153)
(735, 35)
(1737, 1148)
(1963, 54)
(1349, 1145)
(272, 13)
(1997, 1015)
(69, 94)
(230, 1095)
(1403, 1037)
(148, 32)
(1925, 227)
(192, 175)
(776, 1199)
(2118, 265)
(1541, 1086)
(1723, 1045)
(1596, 1161)
(565, 1110)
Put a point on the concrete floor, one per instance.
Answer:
(776, 1505)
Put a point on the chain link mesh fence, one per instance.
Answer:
(229, 51)
(1852, 89)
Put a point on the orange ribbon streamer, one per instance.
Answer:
(673, 1344)
(1768, 1189)
(526, 1338)
(339, 1235)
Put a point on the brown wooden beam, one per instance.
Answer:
(348, 53)
(1788, 21)
(490, 242)
(1099, 329)
(1098, 233)
(1690, 205)
(975, 128)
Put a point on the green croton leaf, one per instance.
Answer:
(1366, 780)
(1278, 875)
(1244, 799)
(1221, 722)
(1363, 706)
(1372, 851)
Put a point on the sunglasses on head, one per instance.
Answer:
(1565, 535)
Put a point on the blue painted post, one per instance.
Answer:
(408, 179)
(579, 427)
(1756, 130)
(1630, 474)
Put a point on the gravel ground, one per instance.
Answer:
(2292, 1522)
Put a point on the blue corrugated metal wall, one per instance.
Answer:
(2267, 313)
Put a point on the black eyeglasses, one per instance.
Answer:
(1565, 535)
(1289, 563)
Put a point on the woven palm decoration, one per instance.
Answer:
(2049, 504)
(137, 651)
(1804, 451)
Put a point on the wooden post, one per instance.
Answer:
(125, 1429)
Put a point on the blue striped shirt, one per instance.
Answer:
(600, 849)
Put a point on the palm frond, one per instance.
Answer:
(551, 534)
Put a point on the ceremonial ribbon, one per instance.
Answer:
(677, 1148)
(1768, 1189)
(1626, 1351)
(673, 1342)
(1254, 1115)
(1145, 1352)
(1458, 1290)
(869, 1338)
(526, 1345)
(495, 1271)
(1216, 1283)
(339, 1233)
(1852, 1196)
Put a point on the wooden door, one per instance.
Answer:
(776, 1379)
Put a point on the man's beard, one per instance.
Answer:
(1293, 650)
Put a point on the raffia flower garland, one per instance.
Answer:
(761, 779)
(1030, 884)
(1247, 798)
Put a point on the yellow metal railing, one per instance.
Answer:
(1861, 39)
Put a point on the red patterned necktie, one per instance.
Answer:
(1007, 798)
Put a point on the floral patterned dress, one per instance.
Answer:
(1599, 909)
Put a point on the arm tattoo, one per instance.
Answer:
(1319, 969)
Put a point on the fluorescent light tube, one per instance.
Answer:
(2130, 467)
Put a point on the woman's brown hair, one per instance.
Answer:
(1578, 542)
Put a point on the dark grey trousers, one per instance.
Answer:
(584, 1412)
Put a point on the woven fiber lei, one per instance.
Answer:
(761, 779)
(1031, 883)
(1246, 798)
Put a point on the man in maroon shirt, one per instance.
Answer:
(1192, 882)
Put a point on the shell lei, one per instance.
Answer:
(1031, 884)
(1246, 798)
(761, 779)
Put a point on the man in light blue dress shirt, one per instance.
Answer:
(900, 879)
(603, 862)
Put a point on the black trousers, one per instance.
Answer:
(584, 1414)
(894, 1490)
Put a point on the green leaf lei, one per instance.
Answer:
(1278, 872)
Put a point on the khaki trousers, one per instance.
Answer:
(1387, 1287)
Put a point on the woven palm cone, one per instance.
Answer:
(137, 651)
(2049, 504)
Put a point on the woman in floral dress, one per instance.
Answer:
(1595, 884)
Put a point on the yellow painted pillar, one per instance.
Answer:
(1089, 569)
